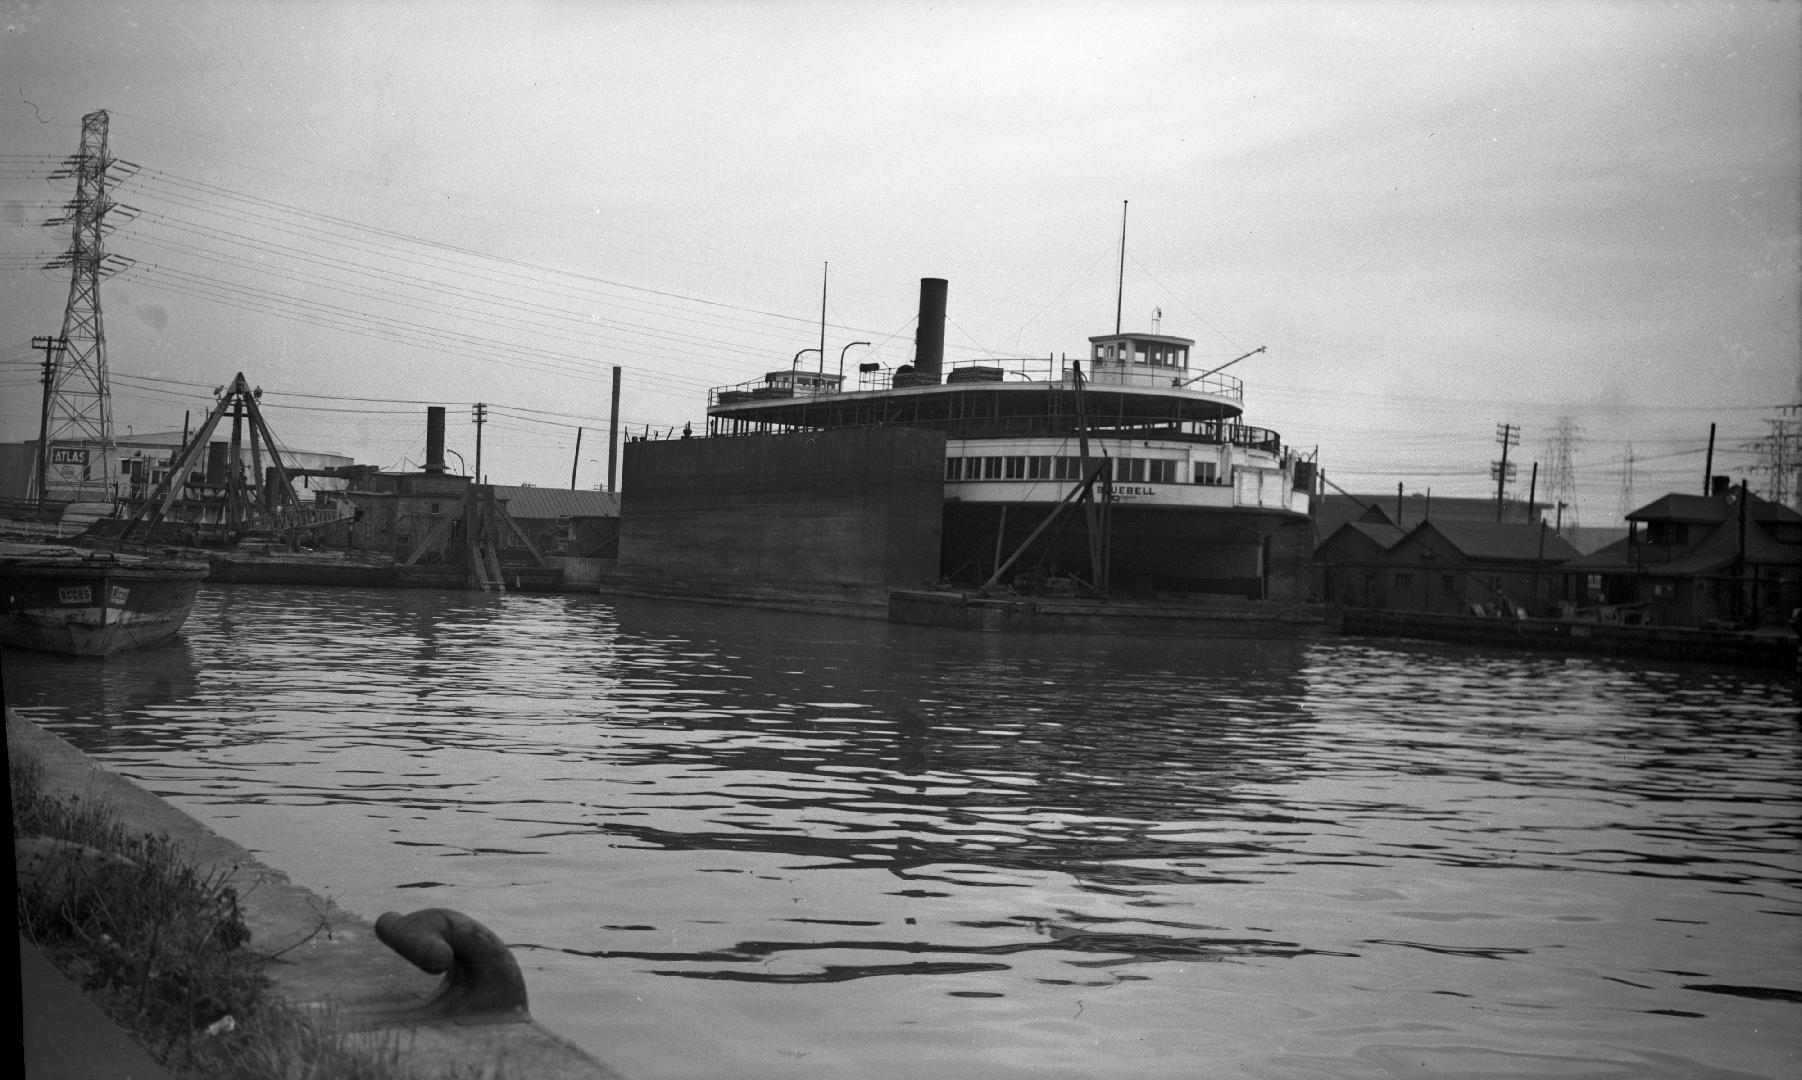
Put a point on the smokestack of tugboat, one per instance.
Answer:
(929, 338)
(434, 438)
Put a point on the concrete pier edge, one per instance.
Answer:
(333, 964)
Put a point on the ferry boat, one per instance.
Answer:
(92, 603)
(1188, 494)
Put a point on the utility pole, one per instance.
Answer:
(1626, 501)
(52, 346)
(577, 462)
(1508, 435)
(613, 434)
(481, 417)
(1708, 465)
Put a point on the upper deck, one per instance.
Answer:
(1130, 380)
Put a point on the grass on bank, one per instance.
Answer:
(164, 950)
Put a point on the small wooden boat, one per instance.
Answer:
(55, 598)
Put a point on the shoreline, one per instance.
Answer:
(333, 961)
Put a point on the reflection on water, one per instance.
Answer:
(753, 844)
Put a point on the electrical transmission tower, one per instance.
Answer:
(77, 445)
(1780, 459)
(1626, 504)
(1561, 488)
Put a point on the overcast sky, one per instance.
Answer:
(1436, 218)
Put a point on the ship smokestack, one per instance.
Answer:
(929, 338)
(434, 438)
(218, 458)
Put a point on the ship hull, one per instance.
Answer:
(92, 603)
(1150, 550)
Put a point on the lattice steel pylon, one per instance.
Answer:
(1780, 459)
(1561, 485)
(78, 407)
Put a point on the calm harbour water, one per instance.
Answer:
(730, 843)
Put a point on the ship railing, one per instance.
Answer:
(1062, 425)
(1044, 370)
(1196, 431)
(756, 390)
(1104, 373)
(1096, 373)
(313, 517)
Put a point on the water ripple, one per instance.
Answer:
(1132, 857)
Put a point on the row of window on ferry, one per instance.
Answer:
(1172, 356)
(1125, 470)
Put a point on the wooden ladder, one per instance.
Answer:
(486, 568)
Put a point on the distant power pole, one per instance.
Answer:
(1626, 504)
(52, 346)
(1561, 448)
(613, 436)
(480, 412)
(1502, 472)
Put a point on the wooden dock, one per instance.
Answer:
(1775, 648)
(1199, 617)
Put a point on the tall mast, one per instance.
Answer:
(824, 270)
(1120, 288)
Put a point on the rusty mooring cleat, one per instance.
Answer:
(482, 983)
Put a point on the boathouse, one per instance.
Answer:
(1455, 567)
(1727, 558)
(1351, 566)
(564, 521)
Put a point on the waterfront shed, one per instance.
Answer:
(1351, 566)
(1464, 567)
(1696, 560)
(563, 521)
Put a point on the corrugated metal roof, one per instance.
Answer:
(540, 503)
(1712, 510)
(1509, 541)
(1695, 509)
